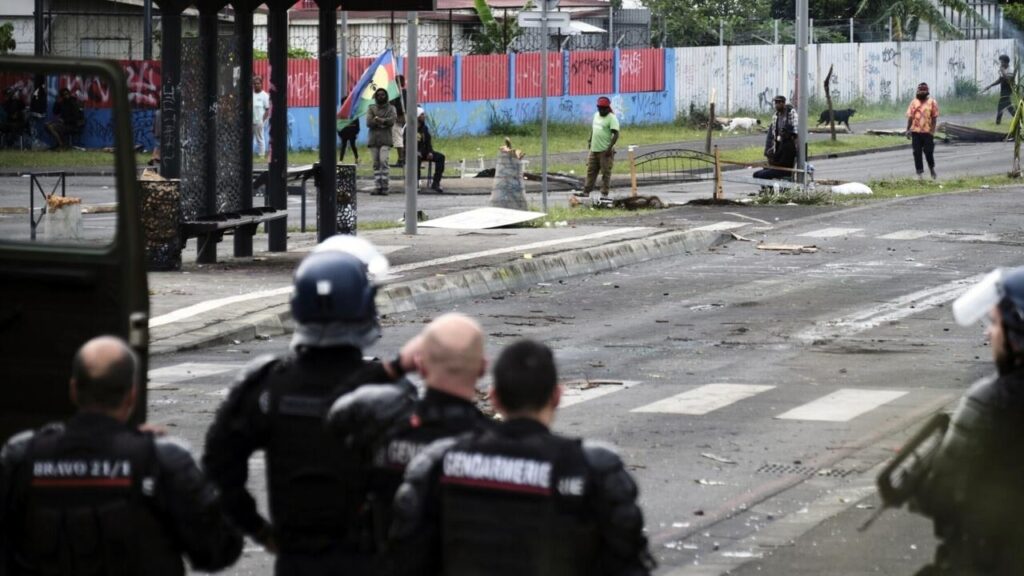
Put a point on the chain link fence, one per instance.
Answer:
(117, 32)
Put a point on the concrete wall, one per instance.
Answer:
(745, 78)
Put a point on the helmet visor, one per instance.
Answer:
(976, 303)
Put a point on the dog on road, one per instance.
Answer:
(841, 116)
(744, 123)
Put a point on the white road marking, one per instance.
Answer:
(905, 235)
(721, 226)
(842, 405)
(175, 373)
(830, 232)
(751, 218)
(207, 306)
(896, 309)
(704, 399)
(203, 307)
(573, 396)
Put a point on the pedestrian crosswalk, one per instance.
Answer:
(840, 405)
(704, 399)
(186, 371)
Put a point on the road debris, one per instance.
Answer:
(717, 458)
(705, 482)
(790, 248)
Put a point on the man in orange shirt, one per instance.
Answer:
(922, 116)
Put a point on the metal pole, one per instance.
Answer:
(170, 89)
(802, 77)
(412, 163)
(851, 30)
(147, 29)
(544, 105)
(721, 32)
(243, 29)
(40, 30)
(890, 28)
(811, 25)
(611, 29)
(277, 190)
(776, 27)
(343, 55)
(327, 213)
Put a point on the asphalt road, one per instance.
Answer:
(751, 392)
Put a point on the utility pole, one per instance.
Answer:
(802, 85)
(411, 123)
(544, 104)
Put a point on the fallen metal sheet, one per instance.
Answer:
(967, 134)
(482, 219)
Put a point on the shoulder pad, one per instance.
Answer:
(171, 451)
(254, 371)
(601, 456)
(367, 412)
(17, 447)
(419, 469)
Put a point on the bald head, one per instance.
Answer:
(103, 373)
(451, 354)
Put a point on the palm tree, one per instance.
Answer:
(906, 15)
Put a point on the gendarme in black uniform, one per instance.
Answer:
(95, 496)
(974, 491)
(315, 483)
(394, 426)
(519, 501)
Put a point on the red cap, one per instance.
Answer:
(603, 101)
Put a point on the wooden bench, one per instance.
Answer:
(209, 230)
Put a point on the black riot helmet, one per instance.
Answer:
(333, 302)
(1011, 308)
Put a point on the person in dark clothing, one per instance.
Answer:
(1005, 81)
(37, 108)
(399, 126)
(69, 119)
(393, 424)
(780, 143)
(348, 134)
(974, 490)
(517, 499)
(426, 152)
(104, 497)
(315, 483)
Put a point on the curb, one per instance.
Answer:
(275, 319)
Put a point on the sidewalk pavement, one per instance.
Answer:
(241, 299)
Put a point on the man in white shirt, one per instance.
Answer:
(260, 115)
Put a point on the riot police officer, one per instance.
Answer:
(394, 425)
(98, 496)
(315, 483)
(518, 500)
(974, 491)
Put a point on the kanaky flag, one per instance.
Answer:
(380, 74)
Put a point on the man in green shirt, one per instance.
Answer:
(603, 136)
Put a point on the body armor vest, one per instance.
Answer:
(89, 508)
(315, 482)
(516, 507)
